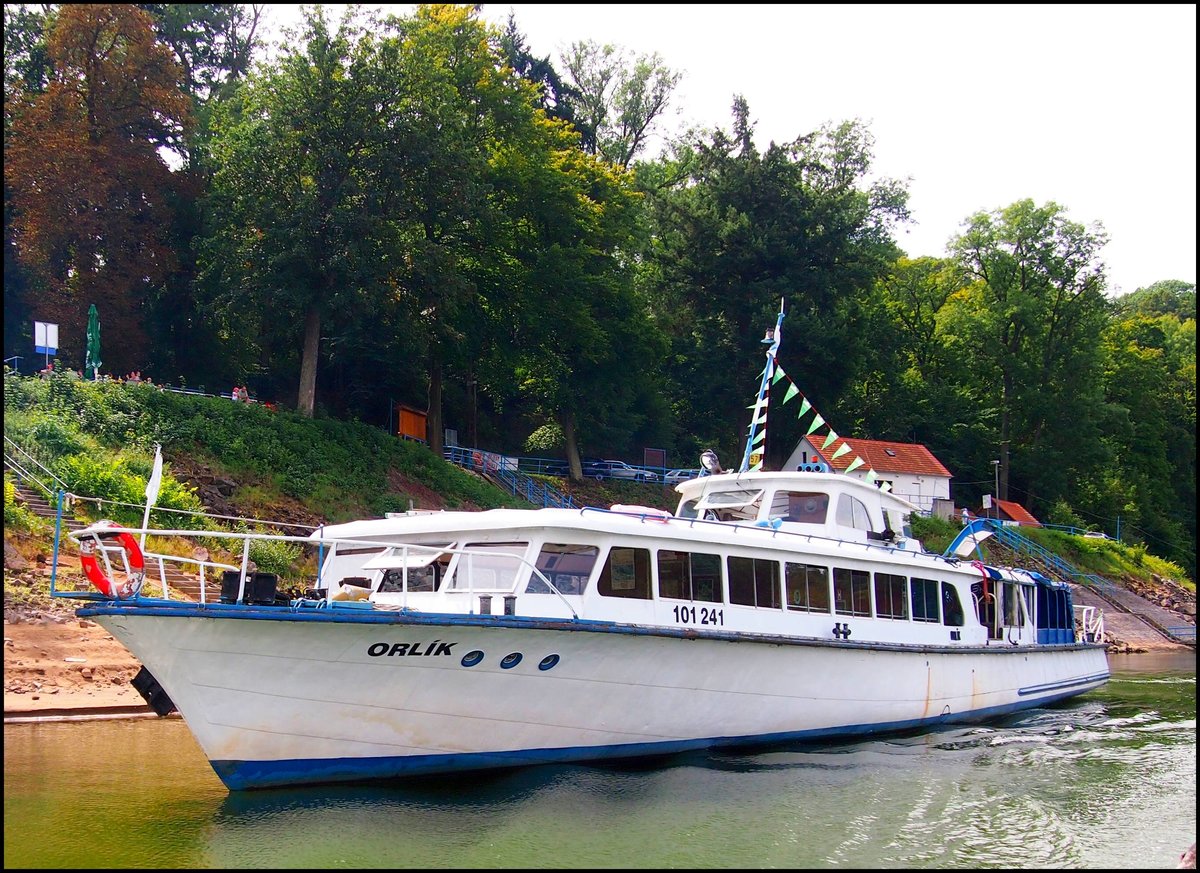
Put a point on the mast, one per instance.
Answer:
(756, 438)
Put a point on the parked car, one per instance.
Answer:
(674, 477)
(601, 470)
(1097, 535)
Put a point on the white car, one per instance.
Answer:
(601, 470)
(674, 477)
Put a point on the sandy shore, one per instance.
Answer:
(60, 664)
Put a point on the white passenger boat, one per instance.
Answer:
(768, 607)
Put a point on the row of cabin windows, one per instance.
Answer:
(697, 576)
(757, 582)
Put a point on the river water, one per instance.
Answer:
(1105, 780)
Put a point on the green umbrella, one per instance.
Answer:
(91, 365)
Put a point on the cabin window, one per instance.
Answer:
(687, 509)
(1012, 609)
(807, 587)
(1030, 596)
(952, 611)
(420, 578)
(924, 599)
(489, 566)
(626, 573)
(345, 563)
(807, 507)
(734, 505)
(1052, 609)
(852, 512)
(851, 591)
(689, 576)
(891, 596)
(754, 582)
(567, 567)
(985, 605)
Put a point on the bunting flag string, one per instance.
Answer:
(818, 420)
(771, 373)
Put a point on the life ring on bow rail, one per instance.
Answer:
(90, 562)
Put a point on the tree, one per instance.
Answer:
(620, 99)
(213, 42)
(90, 189)
(295, 217)
(1168, 297)
(1025, 331)
(742, 230)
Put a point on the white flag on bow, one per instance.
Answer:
(155, 477)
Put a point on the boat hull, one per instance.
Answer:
(278, 696)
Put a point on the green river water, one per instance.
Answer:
(1107, 780)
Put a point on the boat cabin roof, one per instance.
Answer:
(729, 488)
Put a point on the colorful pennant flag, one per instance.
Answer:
(816, 423)
(829, 439)
(857, 462)
(845, 447)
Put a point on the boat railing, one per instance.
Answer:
(1091, 623)
(98, 537)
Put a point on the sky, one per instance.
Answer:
(1090, 106)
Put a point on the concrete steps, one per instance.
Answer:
(37, 503)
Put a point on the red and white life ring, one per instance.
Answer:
(90, 562)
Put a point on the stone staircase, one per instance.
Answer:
(181, 585)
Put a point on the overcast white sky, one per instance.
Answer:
(1091, 106)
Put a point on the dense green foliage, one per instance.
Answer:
(414, 210)
(98, 438)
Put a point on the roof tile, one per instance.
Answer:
(885, 457)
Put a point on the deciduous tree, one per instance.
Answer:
(90, 188)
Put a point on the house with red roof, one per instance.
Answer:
(1010, 512)
(910, 469)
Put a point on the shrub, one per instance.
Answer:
(16, 516)
(1063, 515)
(276, 556)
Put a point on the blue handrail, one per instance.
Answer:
(536, 492)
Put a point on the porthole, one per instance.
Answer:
(470, 659)
(510, 660)
(548, 662)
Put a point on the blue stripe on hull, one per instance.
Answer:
(243, 775)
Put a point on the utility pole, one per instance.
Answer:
(996, 471)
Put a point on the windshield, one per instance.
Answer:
(728, 499)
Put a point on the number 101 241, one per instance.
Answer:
(703, 615)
